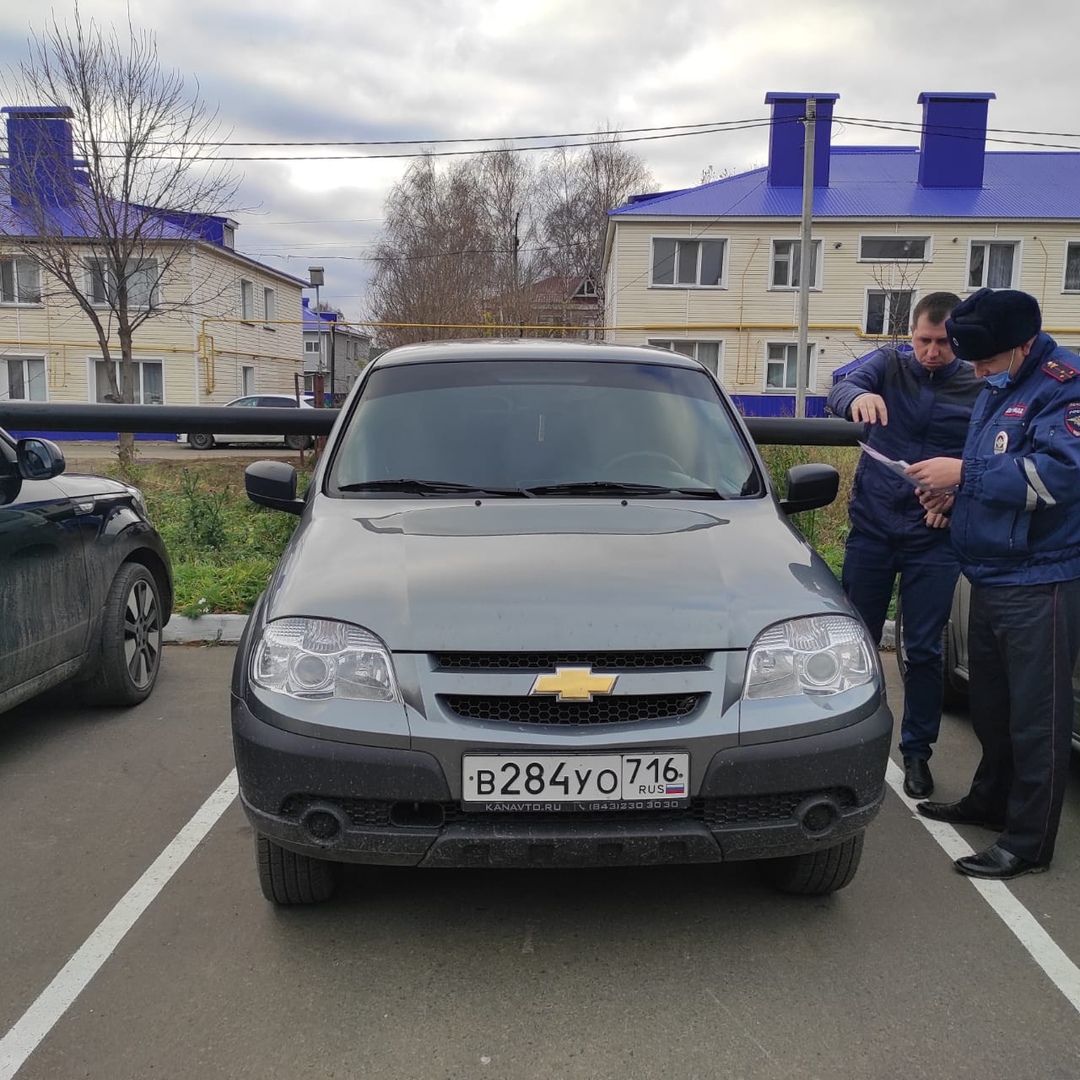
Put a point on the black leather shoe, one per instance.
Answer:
(998, 864)
(955, 813)
(918, 783)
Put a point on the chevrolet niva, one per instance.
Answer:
(543, 609)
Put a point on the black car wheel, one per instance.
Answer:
(130, 653)
(817, 872)
(298, 442)
(200, 441)
(288, 878)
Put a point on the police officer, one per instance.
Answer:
(1016, 529)
(919, 404)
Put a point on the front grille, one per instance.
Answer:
(629, 709)
(715, 813)
(598, 661)
(779, 806)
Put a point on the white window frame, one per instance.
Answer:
(247, 300)
(269, 306)
(15, 301)
(1065, 268)
(884, 332)
(811, 374)
(5, 360)
(1017, 246)
(928, 250)
(667, 343)
(724, 266)
(819, 266)
(586, 289)
(154, 299)
(311, 348)
(245, 390)
(91, 376)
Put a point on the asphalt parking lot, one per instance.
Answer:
(695, 972)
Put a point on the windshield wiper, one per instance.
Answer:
(611, 487)
(412, 486)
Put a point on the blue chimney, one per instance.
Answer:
(41, 159)
(787, 138)
(953, 147)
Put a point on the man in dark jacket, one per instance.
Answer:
(918, 405)
(1016, 529)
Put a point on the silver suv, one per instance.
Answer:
(543, 608)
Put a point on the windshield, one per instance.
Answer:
(505, 426)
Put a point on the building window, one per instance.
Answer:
(993, 265)
(149, 382)
(20, 281)
(782, 365)
(268, 305)
(141, 279)
(786, 256)
(688, 262)
(704, 352)
(247, 380)
(25, 379)
(586, 288)
(894, 248)
(311, 346)
(888, 311)
(247, 300)
(1072, 266)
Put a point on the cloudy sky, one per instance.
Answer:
(442, 69)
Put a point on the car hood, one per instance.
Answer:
(80, 485)
(551, 575)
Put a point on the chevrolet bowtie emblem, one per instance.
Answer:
(574, 684)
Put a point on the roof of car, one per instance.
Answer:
(428, 352)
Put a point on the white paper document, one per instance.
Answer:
(897, 467)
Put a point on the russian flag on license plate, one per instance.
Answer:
(675, 789)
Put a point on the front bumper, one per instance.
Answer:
(394, 806)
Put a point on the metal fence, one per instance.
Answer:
(25, 416)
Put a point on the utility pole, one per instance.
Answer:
(806, 253)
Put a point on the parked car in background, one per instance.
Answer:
(544, 608)
(85, 582)
(955, 652)
(203, 441)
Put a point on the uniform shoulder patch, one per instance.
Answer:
(1057, 370)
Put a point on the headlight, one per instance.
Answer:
(137, 498)
(321, 658)
(820, 655)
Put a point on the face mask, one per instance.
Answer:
(1000, 379)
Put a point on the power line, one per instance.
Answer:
(918, 126)
(457, 141)
(450, 153)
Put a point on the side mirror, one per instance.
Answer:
(810, 487)
(273, 484)
(39, 459)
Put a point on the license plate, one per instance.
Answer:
(578, 778)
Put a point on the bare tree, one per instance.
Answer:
(108, 217)
(897, 282)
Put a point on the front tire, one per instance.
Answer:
(129, 657)
(288, 878)
(201, 441)
(817, 873)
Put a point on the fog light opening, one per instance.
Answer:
(322, 824)
(818, 816)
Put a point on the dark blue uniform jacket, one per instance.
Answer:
(1017, 515)
(928, 417)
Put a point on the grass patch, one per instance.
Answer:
(224, 548)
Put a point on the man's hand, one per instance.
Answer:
(935, 502)
(937, 474)
(937, 521)
(870, 409)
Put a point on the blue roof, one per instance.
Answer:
(882, 181)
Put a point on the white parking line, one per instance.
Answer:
(1042, 948)
(39, 1019)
